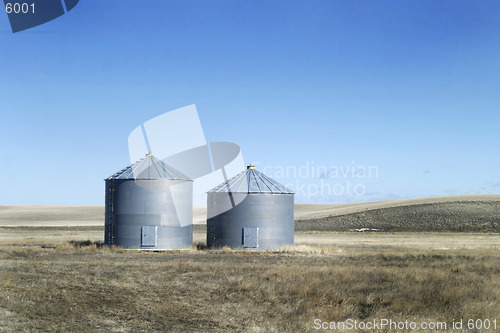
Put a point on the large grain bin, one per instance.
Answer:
(251, 211)
(149, 206)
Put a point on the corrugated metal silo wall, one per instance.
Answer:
(108, 212)
(271, 213)
(142, 203)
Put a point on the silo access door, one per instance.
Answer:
(148, 235)
(251, 237)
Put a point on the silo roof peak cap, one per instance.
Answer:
(251, 180)
(150, 167)
(250, 167)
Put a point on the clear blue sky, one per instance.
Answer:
(411, 87)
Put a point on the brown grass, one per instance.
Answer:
(81, 286)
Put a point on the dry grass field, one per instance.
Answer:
(56, 277)
(70, 287)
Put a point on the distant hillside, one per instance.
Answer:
(453, 213)
(47, 215)
(447, 215)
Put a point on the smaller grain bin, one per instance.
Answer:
(149, 206)
(250, 211)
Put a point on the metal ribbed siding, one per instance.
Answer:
(132, 204)
(229, 213)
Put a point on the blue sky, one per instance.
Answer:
(410, 87)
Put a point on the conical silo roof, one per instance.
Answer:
(149, 167)
(251, 181)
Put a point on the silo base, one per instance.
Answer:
(153, 238)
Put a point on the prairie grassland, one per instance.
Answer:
(67, 285)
